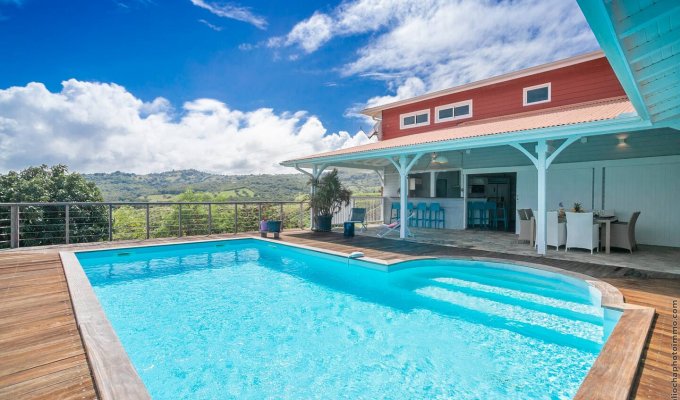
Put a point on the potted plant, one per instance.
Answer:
(328, 197)
(578, 208)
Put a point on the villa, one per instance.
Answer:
(547, 137)
(221, 310)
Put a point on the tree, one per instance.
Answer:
(41, 225)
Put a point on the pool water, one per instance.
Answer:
(252, 319)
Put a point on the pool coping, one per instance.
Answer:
(610, 377)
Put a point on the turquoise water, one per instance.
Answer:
(248, 319)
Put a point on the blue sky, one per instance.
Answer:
(156, 48)
(149, 85)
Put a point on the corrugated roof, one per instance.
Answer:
(547, 118)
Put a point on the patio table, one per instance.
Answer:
(607, 222)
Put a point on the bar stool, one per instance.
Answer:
(437, 215)
(411, 217)
(475, 214)
(490, 214)
(502, 218)
(422, 217)
(394, 211)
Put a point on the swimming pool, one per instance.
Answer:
(255, 319)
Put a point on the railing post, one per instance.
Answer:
(259, 213)
(235, 218)
(67, 218)
(302, 221)
(382, 209)
(14, 226)
(209, 218)
(179, 221)
(281, 214)
(148, 227)
(110, 222)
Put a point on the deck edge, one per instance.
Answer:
(112, 371)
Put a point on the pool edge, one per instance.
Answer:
(112, 371)
(611, 376)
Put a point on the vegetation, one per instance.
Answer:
(330, 194)
(166, 186)
(46, 225)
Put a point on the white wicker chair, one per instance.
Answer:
(582, 233)
(556, 234)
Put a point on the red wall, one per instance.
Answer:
(591, 80)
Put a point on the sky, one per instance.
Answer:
(236, 87)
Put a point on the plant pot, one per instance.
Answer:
(323, 223)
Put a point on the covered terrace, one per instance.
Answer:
(562, 154)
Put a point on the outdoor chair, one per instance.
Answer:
(358, 216)
(422, 217)
(412, 218)
(475, 214)
(437, 216)
(501, 215)
(386, 229)
(623, 233)
(556, 234)
(489, 211)
(582, 232)
(527, 227)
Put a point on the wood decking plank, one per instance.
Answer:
(40, 347)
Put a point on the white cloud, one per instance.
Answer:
(311, 33)
(97, 127)
(232, 11)
(418, 46)
(216, 28)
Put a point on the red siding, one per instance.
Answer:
(591, 80)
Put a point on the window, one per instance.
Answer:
(414, 119)
(537, 94)
(454, 111)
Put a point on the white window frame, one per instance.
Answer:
(414, 114)
(543, 85)
(453, 105)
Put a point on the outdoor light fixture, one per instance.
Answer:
(622, 141)
(439, 159)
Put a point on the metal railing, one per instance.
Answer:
(38, 224)
(374, 209)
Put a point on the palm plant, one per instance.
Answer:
(328, 197)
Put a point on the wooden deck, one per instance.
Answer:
(41, 352)
(42, 355)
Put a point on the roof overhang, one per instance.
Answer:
(642, 43)
(367, 159)
(376, 111)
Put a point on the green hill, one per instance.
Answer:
(164, 186)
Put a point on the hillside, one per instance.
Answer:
(122, 186)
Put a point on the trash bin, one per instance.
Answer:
(349, 229)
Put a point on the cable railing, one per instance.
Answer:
(374, 209)
(40, 224)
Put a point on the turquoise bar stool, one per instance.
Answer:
(422, 217)
(394, 211)
(490, 215)
(437, 216)
(412, 217)
(502, 216)
(475, 214)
